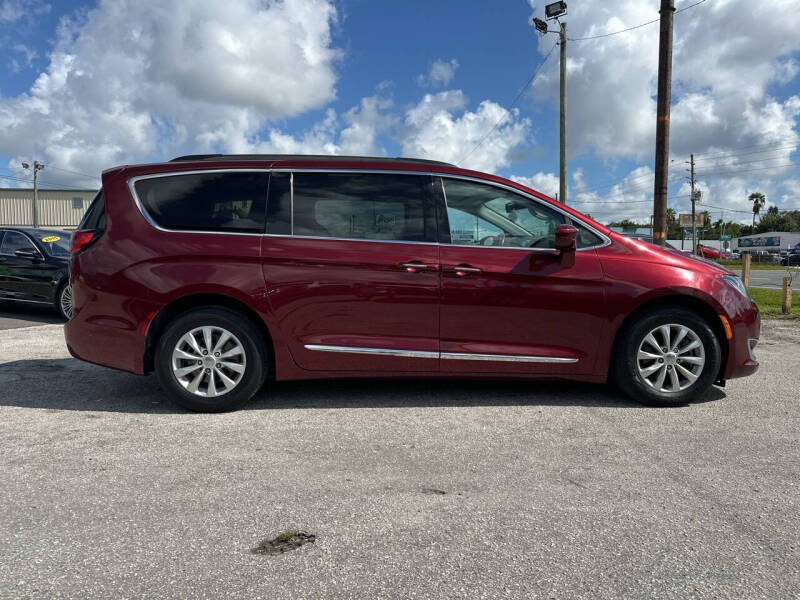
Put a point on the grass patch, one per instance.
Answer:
(769, 303)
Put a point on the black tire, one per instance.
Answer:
(62, 290)
(256, 360)
(624, 369)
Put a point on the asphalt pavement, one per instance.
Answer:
(412, 489)
(772, 279)
(14, 315)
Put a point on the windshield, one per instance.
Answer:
(55, 243)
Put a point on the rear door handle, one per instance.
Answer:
(464, 270)
(416, 266)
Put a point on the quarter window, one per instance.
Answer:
(227, 201)
(363, 206)
(486, 215)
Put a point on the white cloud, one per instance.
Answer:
(355, 133)
(439, 127)
(546, 183)
(441, 73)
(16, 10)
(141, 78)
(722, 67)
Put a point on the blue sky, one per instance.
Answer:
(84, 86)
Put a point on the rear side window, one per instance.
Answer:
(228, 201)
(13, 241)
(364, 206)
(95, 216)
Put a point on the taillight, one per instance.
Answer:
(81, 239)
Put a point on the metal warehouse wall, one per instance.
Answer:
(57, 208)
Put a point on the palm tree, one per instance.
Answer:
(670, 215)
(759, 200)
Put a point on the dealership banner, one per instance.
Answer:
(773, 241)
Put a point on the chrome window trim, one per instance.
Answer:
(132, 181)
(373, 351)
(444, 355)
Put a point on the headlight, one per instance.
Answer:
(734, 281)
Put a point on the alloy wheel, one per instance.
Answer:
(670, 358)
(65, 301)
(208, 361)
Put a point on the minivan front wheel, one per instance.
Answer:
(211, 360)
(667, 357)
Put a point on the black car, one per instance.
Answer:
(791, 260)
(34, 267)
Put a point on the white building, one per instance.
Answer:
(771, 241)
(57, 207)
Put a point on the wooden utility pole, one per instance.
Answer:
(694, 217)
(562, 187)
(786, 296)
(746, 269)
(662, 123)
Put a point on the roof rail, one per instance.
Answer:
(290, 157)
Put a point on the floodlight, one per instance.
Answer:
(540, 25)
(554, 10)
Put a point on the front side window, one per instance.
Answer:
(230, 201)
(363, 206)
(13, 241)
(485, 215)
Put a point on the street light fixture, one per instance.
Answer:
(555, 10)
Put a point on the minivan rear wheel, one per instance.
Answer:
(211, 360)
(667, 357)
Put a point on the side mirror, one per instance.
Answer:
(565, 244)
(29, 254)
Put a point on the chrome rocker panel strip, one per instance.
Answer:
(444, 355)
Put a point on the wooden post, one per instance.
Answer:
(746, 269)
(786, 296)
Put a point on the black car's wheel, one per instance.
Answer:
(64, 301)
(667, 357)
(211, 360)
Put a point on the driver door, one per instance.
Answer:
(508, 306)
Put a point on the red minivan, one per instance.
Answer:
(221, 272)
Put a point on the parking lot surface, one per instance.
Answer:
(413, 489)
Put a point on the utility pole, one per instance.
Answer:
(562, 155)
(662, 123)
(37, 166)
(694, 220)
(552, 13)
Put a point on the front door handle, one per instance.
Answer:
(464, 270)
(415, 266)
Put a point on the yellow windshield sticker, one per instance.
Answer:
(50, 238)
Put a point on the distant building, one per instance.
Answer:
(771, 241)
(57, 208)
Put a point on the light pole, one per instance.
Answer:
(37, 166)
(552, 12)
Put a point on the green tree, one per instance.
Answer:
(759, 200)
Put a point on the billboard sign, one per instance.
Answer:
(772, 241)
(686, 220)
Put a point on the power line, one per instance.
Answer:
(732, 154)
(736, 171)
(59, 185)
(764, 145)
(519, 95)
(49, 166)
(594, 37)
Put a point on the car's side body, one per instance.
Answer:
(32, 279)
(332, 307)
